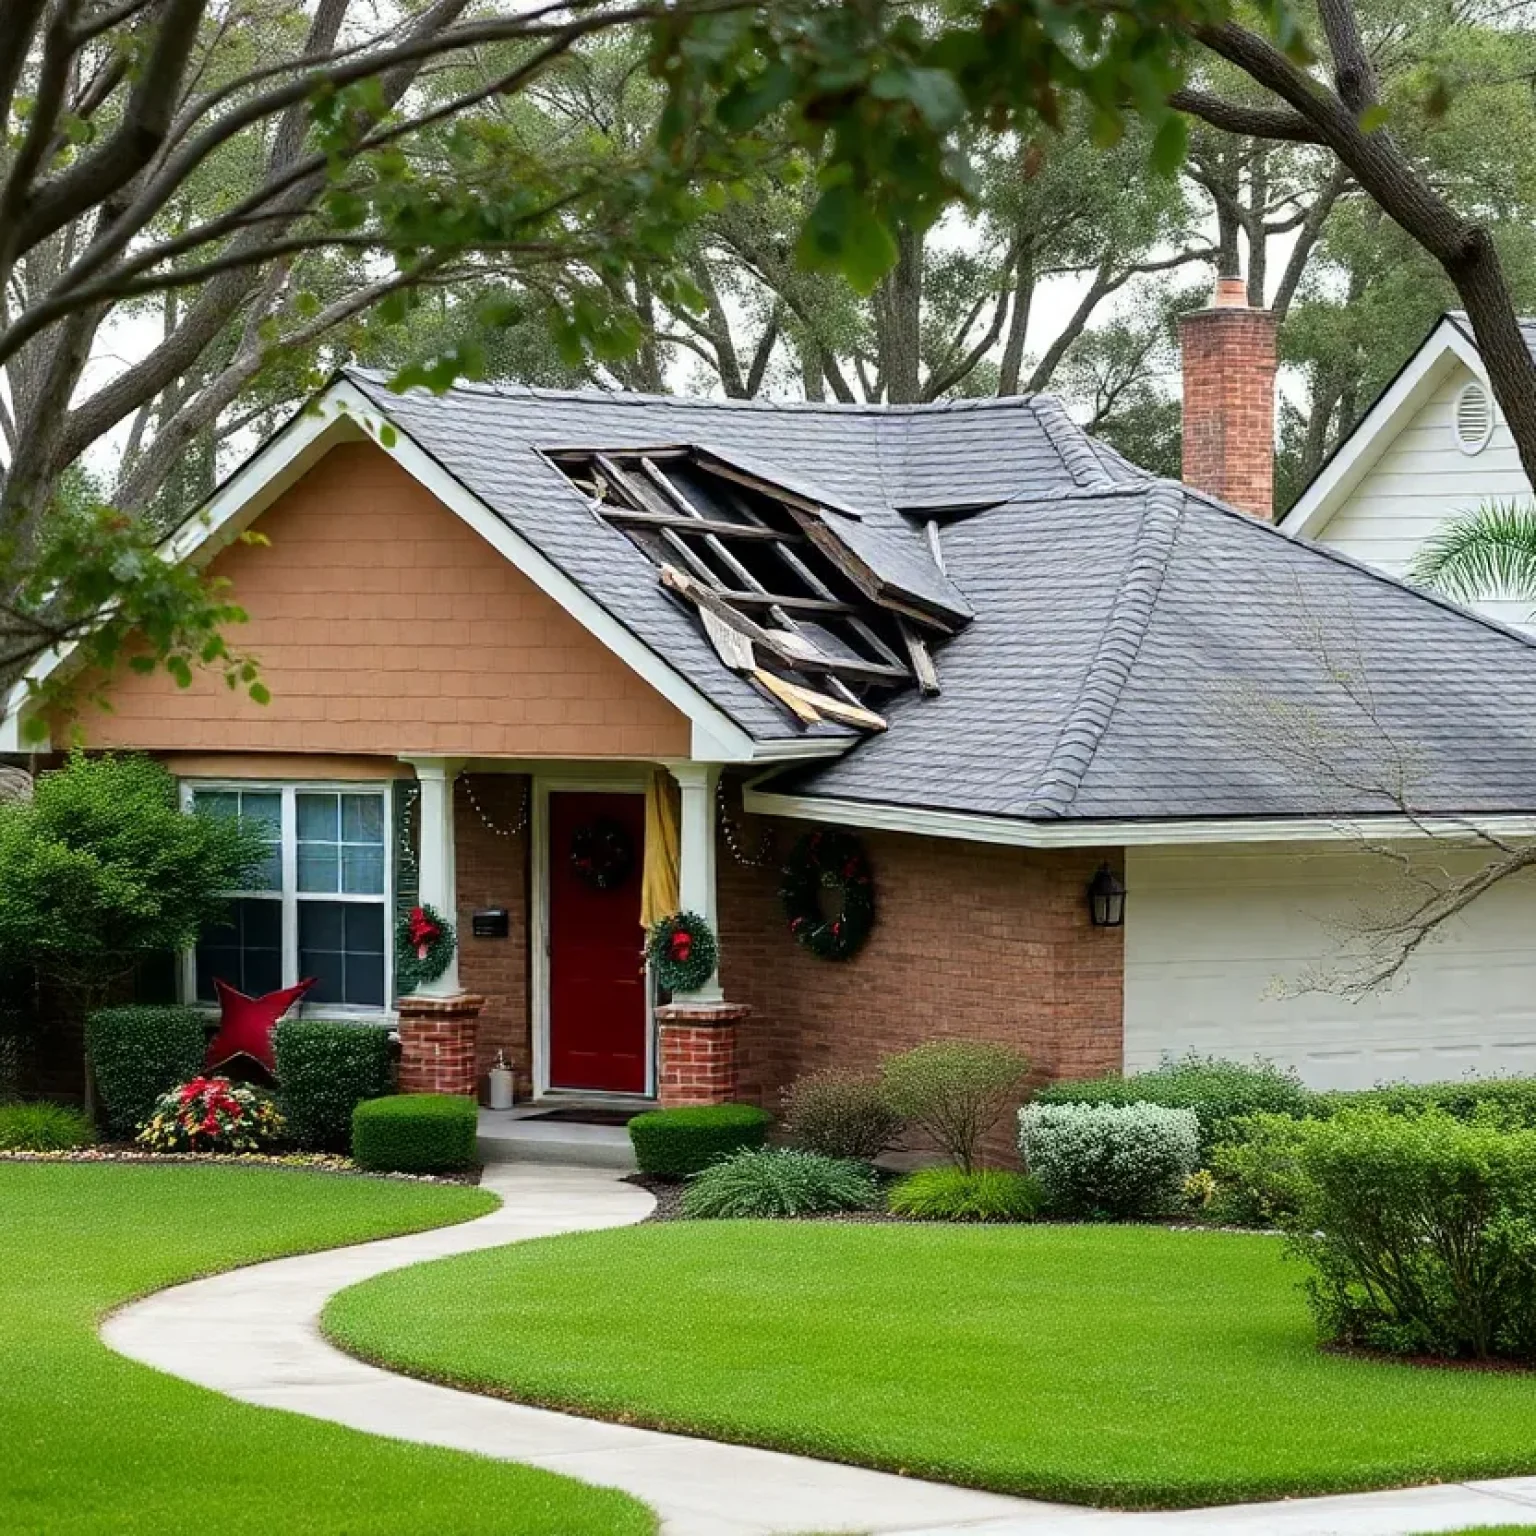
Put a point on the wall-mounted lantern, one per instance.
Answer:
(1106, 898)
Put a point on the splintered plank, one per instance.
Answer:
(787, 695)
(835, 709)
(918, 654)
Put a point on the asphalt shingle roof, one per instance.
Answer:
(1138, 651)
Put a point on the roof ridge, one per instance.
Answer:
(1119, 645)
(1070, 442)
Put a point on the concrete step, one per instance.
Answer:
(509, 1136)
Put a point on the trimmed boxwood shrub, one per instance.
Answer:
(676, 1143)
(1109, 1160)
(1219, 1092)
(325, 1069)
(952, 1194)
(138, 1053)
(42, 1128)
(779, 1181)
(415, 1133)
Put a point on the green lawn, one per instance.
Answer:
(1124, 1366)
(94, 1443)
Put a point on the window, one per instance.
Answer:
(318, 906)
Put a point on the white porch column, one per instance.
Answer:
(438, 884)
(696, 856)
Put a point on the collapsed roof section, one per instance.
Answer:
(823, 613)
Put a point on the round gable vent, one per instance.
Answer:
(1473, 419)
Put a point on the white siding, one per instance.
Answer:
(1421, 479)
(1217, 938)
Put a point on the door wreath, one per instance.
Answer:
(682, 952)
(602, 854)
(424, 944)
(829, 860)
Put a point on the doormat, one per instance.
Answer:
(575, 1116)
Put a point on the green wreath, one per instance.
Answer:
(682, 951)
(424, 945)
(821, 861)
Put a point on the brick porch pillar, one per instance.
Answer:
(698, 1053)
(437, 1044)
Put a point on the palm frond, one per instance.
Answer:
(1489, 551)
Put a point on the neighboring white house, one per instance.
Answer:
(1434, 444)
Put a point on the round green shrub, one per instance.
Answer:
(1219, 1092)
(768, 1181)
(840, 1114)
(42, 1127)
(677, 1143)
(952, 1194)
(139, 1053)
(325, 1069)
(1109, 1160)
(415, 1133)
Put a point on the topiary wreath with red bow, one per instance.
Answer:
(424, 944)
(682, 952)
(827, 860)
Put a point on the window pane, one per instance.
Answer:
(317, 818)
(216, 802)
(263, 809)
(268, 875)
(246, 952)
(362, 871)
(318, 867)
(362, 819)
(341, 944)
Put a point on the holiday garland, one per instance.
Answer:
(836, 861)
(602, 854)
(424, 945)
(682, 952)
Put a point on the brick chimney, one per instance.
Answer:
(1229, 400)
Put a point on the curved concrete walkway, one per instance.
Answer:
(254, 1335)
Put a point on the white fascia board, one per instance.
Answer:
(1421, 376)
(965, 826)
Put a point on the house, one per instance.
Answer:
(1432, 444)
(503, 628)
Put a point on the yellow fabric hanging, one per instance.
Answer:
(659, 896)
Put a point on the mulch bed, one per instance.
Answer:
(1429, 1362)
(300, 1162)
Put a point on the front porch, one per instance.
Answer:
(543, 866)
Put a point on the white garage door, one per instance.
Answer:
(1217, 939)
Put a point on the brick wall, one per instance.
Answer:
(493, 872)
(972, 940)
(385, 625)
(1229, 400)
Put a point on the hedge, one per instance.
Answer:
(1509, 1099)
(138, 1053)
(675, 1143)
(325, 1069)
(415, 1133)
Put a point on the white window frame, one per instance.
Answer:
(289, 790)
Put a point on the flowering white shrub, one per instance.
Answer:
(1113, 1160)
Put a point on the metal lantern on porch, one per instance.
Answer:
(1106, 898)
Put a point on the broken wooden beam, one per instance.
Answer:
(789, 696)
(918, 654)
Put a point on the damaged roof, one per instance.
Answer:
(1118, 647)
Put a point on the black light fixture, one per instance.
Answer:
(1106, 898)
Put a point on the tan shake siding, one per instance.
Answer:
(384, 625)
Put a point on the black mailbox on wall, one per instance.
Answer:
(490, 923)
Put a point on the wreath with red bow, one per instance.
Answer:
(424, 945)
(682, 952)
(602, 854)
(829, 860)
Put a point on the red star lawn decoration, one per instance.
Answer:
(246, 1023)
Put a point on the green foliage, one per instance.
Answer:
(1489, 551)
(1220, 1092)
(42, 1127)
(759, 1182)
(1421, 1231)
(325, 1069)
(840, 1114)
(954, 1090)
(1109, 1160)
(677, 1143)
(1509, 1099)
(138, 1053)
(952, 1194)
(415, 1133)
(212, 1114)
(103, 868)
(1257, 1172)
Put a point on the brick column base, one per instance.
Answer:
(437, 1044)
(698, 1053)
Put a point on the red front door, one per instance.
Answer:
(597, 1020)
